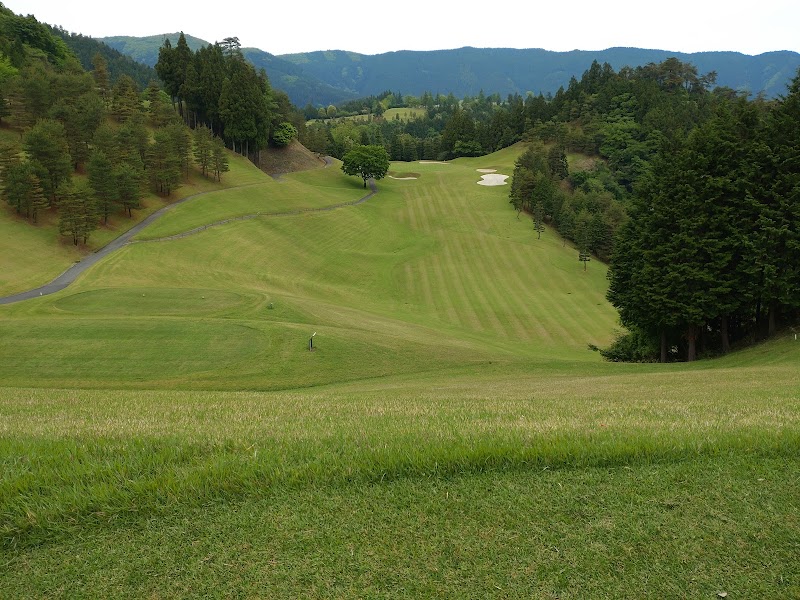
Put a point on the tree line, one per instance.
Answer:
(711, 252)
(217, 88)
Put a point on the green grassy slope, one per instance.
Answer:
(430, 273)
(165, 431)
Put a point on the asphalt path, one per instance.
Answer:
(76, 270)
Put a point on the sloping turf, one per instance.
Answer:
(165, 431)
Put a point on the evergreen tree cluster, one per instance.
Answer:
(85, 48)
(87, 148)
(217, 88)
(711, 253)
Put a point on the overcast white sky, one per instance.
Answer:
(376, 27)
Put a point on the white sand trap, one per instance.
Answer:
(433, 162)
(494, 179)
(486, 170)
(401, 178)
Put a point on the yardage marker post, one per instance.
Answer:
(311, 342)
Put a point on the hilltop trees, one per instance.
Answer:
(217, 88)
(368, 162)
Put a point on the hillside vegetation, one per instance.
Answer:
(283, 387)
(334, 76)
(450, 423)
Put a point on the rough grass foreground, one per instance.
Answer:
(546, 472)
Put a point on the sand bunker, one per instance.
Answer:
(494, 179)
(401, 178)
(433, 162)
(486, 170)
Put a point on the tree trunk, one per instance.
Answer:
(772, 326)
(723, 332)
(691, 338)
(663, 345)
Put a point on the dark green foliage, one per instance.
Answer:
(46, 144)
(632, 346)
(538, 219)
(22, 189)
(125, 102)
(712, 238)
(203, 148)
(102, 181)
(164, 166)
(116, 64)
(557, 162)
(78, 212)
(128, 179)
(219, 159)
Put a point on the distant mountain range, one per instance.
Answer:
(328, 77)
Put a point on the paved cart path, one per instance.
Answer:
(76, 270)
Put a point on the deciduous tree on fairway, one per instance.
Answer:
(368, 162)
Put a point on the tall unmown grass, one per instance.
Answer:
(76, 458)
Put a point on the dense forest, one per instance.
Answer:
(85, 48)
(86, 147)
(91, 143)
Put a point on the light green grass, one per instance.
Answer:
(299, 191)
(405, 114)
(165, 431)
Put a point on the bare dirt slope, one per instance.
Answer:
(294, 157)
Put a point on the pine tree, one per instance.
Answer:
(128, 181)
(219, 159)
(203, 148)
(163, 163)
(125, 102)
(101, 179)
(77, 213)
(47, 146)
(101, 78)
(538, 219)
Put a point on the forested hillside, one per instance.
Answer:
(467, 71)
(84, 148)
(300, 87)
(85, 48)
(331, 77)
